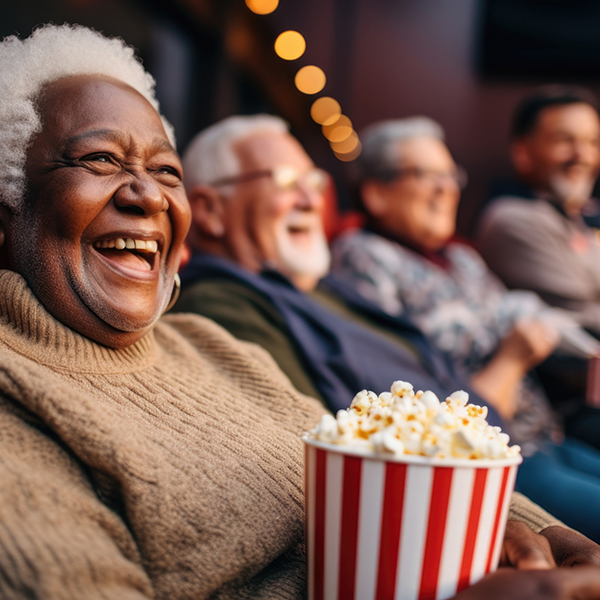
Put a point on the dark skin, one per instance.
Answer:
(102, 170)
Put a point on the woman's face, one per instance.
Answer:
(101, 173)
(419, 206)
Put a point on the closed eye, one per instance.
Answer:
(101, 162)
(98, 157)
(168, 175)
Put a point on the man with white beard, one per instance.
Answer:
(533, 235)
(260, 262)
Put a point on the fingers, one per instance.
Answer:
(536, 339)
(524, 549)
(577, 583)
(570, 548)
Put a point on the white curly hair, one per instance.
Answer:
(50, 53)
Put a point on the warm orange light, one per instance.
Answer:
(350, 156)
(290, 45)
(347, 146)
(262, 7)
(338, 131)
(325, 111)
(310, 80)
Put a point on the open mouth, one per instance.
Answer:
(132, 254)
(297, 230)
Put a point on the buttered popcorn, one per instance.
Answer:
(404, 422)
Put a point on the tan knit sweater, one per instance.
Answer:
(169, 470)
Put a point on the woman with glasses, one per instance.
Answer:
(406, 262)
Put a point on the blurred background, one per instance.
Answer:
(465, 63)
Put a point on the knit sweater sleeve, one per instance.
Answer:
(524, 510)
(57, 539)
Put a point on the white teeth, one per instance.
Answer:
(129, 244)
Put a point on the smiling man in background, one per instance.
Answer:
(260, 263)
(533, 235)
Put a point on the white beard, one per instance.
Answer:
(313, 262)
(573, 192)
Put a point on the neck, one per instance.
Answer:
(304, 283)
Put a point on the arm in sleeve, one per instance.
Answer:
(524, 510)
(251, 318)
(57, 540)
(528, 253)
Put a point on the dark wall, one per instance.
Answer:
(417, 57)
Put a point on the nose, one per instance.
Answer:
(142, 195)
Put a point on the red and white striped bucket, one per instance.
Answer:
(401, 528)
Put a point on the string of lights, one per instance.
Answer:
(326, 111)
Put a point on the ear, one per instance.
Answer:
(374, 198)
(208, 215)
(520, 156)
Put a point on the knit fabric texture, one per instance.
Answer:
(172, 469)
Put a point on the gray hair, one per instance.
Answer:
(210, 155)
(51, 53)
(379, 157)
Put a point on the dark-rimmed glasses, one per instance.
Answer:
(458, 176)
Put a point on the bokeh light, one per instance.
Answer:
(310, 80)
(290, 45)
(325, 110)
(262, 7)
(350, 156)
(347, 146)
(338, 131)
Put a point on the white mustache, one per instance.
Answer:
(301, 220)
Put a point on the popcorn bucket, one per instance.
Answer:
(401, 528)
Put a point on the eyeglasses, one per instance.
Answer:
(458, 176)
(284, 177)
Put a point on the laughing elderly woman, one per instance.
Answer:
(139, 458)
(136, 460)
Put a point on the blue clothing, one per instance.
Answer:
(565, 480)
(341, 356)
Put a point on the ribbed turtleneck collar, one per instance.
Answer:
(27, 328)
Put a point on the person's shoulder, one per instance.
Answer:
(362, 249)
(359, 239)
(202, 343)
(231, 303)
(507, 205)
(512, 213)
(459, 250)
(199, 331)
(204, 293)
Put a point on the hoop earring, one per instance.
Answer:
(175, 294)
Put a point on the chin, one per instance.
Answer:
(306, 260)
